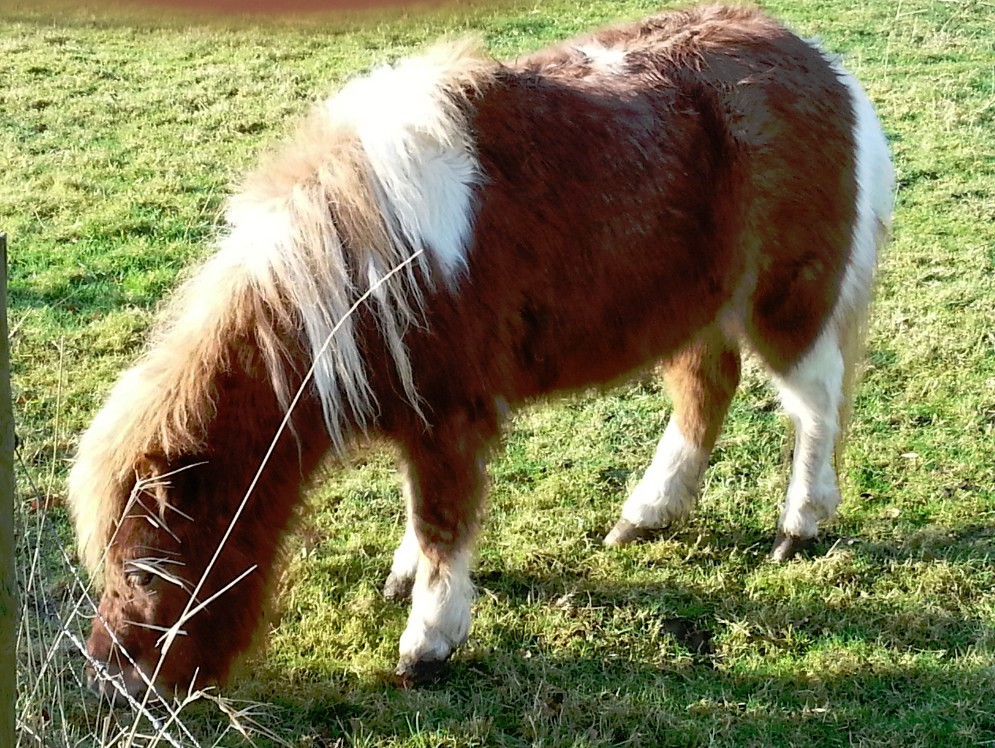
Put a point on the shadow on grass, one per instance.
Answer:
(740, 665)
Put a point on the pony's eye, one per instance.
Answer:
(138, 577)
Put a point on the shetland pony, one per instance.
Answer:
(449, 237)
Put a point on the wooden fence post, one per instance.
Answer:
(9, 608)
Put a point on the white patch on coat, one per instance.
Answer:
(875, 196)
(421, 153)
(811, 393)
(669, 489)
(603, 59)
(440, 610)
(405, 563)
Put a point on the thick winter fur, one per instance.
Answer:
(666, 191)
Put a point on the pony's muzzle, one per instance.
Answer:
(107, 681)
(103, 685)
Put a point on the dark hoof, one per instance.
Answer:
(624, 532)
(411, 673)
(786, 547)
(397, 588)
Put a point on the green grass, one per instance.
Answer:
(120, 134)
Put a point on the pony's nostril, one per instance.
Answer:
(104, 682)
(116, 685)
(92, 681)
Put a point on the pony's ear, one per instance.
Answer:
(149, 471)
(150, 466)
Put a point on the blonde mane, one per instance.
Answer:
(374, 175)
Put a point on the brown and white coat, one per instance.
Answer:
(673, 190)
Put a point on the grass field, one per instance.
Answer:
(121, 133)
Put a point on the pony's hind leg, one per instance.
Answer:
(817, 391)
(812, 392)
(446, 474)
(702, 379)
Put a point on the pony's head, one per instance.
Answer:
(159, 478)
(158, 568)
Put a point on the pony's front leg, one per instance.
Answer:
(405, 564)
(446, 480)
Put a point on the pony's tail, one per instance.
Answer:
(852, 337)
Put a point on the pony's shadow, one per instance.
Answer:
(534, 690)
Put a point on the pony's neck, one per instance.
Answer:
(249, 445)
